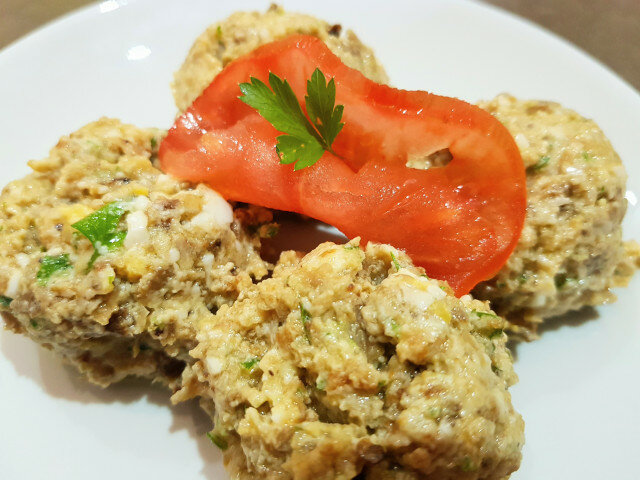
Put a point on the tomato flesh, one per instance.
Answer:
(460, 221)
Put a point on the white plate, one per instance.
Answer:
(579, 385)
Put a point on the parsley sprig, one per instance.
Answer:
(52, 265)
(102, 229)
(305, 139)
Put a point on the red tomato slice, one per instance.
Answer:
(460, 221)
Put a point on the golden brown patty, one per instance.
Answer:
(571, 252)
(352, 361)
(135, 311)
(243, 32)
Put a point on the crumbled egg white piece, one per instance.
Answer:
(140, 203)
(215, 210)
(522, 141)
(421, 291)
(22, 259)
(136, 229)
(214, 365)
(13, 285)
(137, 222)
(174, 254)
(207, 261)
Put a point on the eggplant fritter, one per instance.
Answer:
(353, 362)
(571, 251)
(135, 311)
(243, 32)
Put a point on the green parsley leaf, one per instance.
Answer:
(304, 141)
(305, 151)
(50, 266)
(5, 301)
(321, 108)
(218, 440)
(102, 229)
(250, 364)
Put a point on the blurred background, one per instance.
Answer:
(607, 29)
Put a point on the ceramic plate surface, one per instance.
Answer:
(579, 386)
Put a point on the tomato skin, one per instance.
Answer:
(460, 221)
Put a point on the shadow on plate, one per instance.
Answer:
(569, 319)
(298, 233)
(58, 380)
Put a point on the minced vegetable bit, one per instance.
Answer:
(161, 253)
(309, 378)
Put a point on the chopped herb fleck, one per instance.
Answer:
(219, 32)
(562, 280)
(350, 246)
(435, 412)
(483, 314)
(50, 266)
(395, 261)
(321, 384)
(541, 163)
(5, 301)
(497, 333)
(218, 441)
(250, 364)
(602, 192)
(102, 229)
(154, 143)
(586, 157)
(522, 279)
(395, 328)
(306, 318)
(467, 465)
(34, 323)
